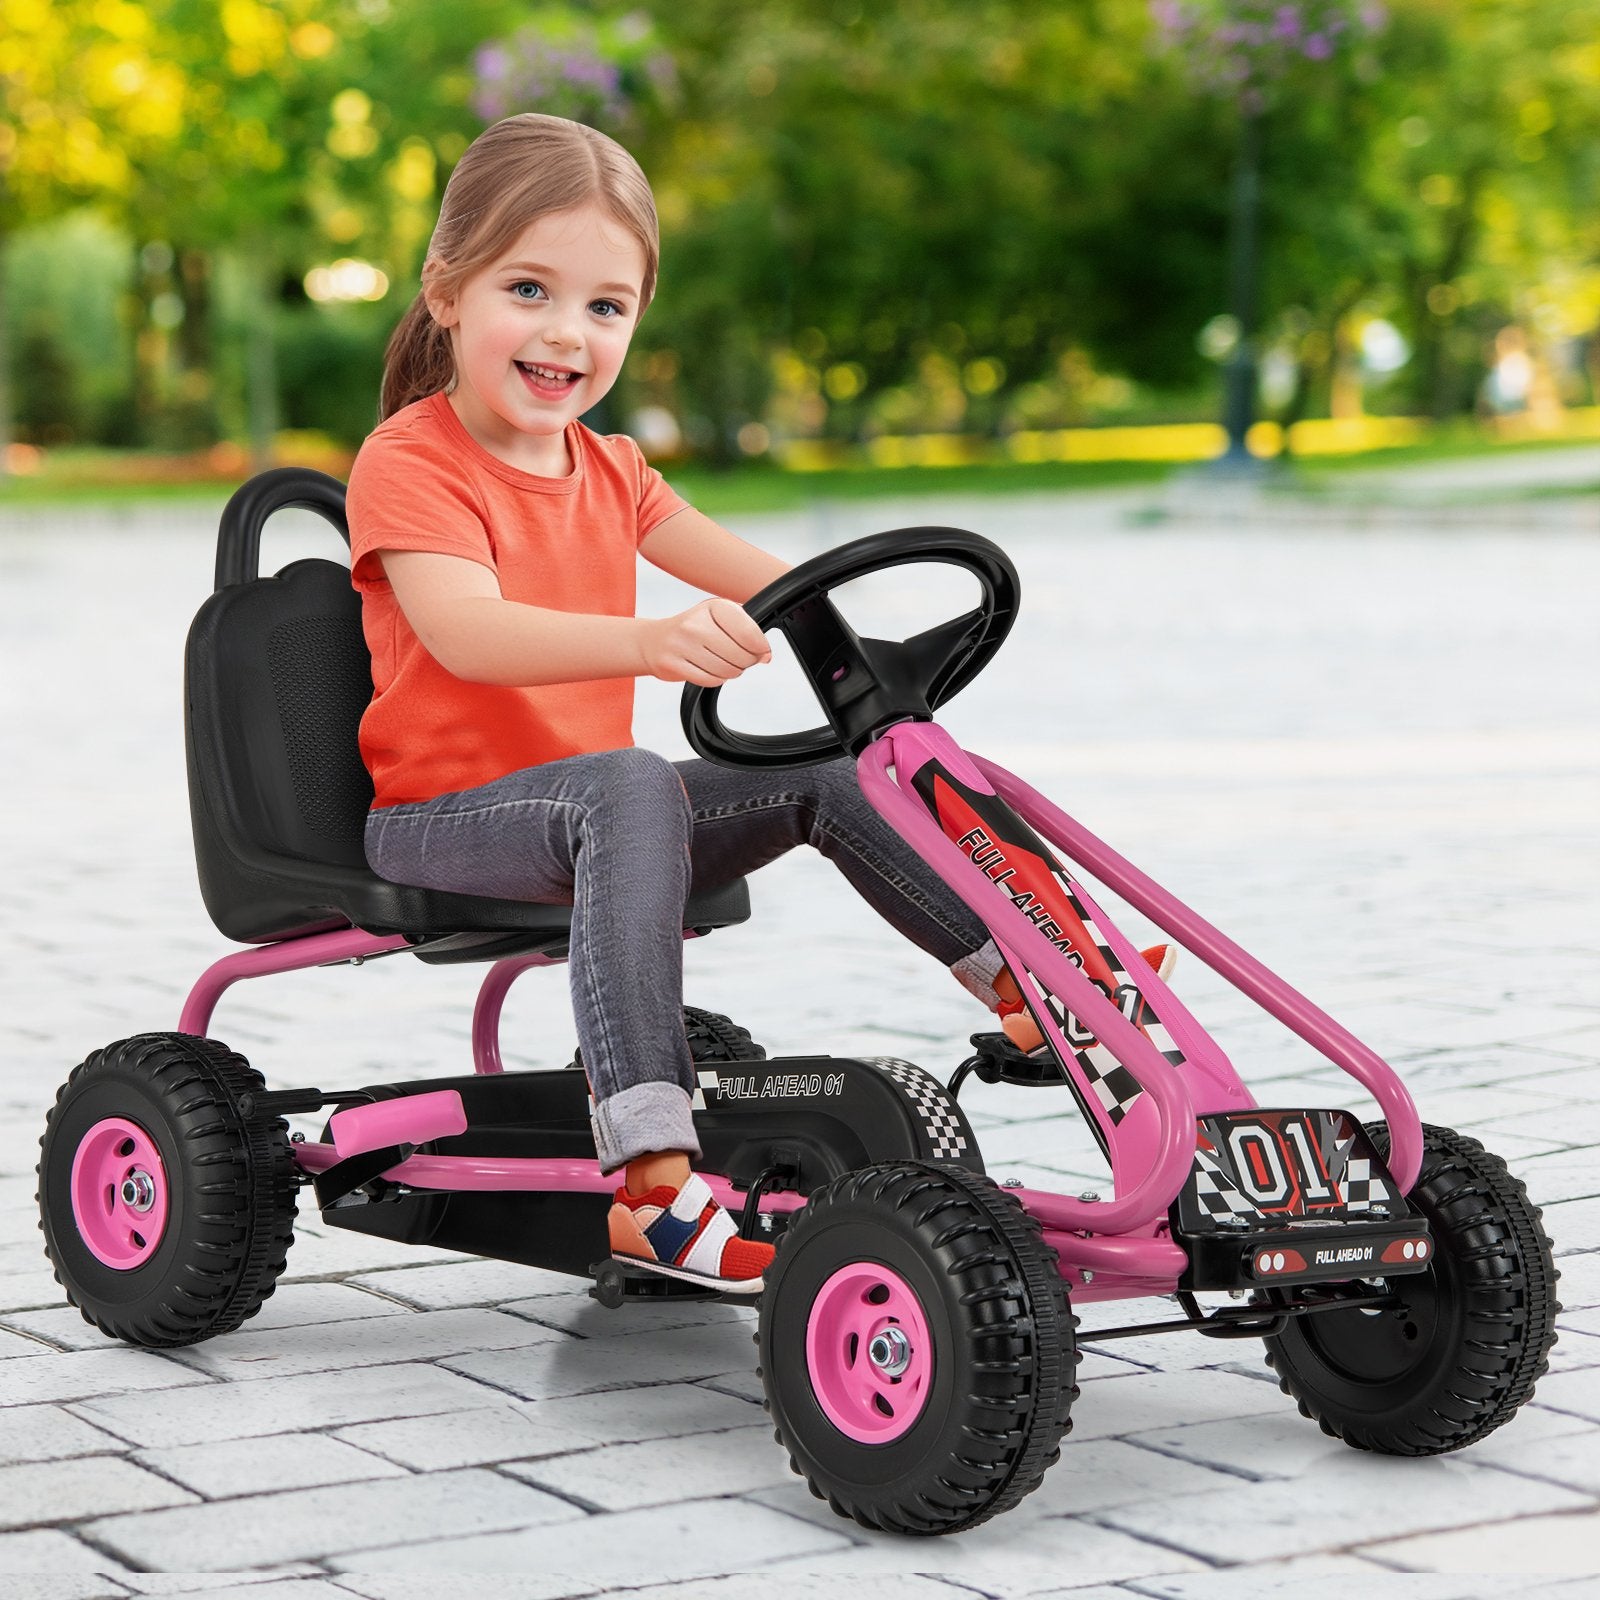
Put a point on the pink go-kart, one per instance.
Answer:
(917, 1332)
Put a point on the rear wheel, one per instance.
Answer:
(917, 1348)
(167, 1214)
(1471, 1335)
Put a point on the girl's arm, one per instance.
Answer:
(691, 546)
(455, 607)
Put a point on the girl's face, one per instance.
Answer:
(539, 334)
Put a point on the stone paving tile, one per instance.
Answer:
(463, 1283)
(1573, 1226)
(332, 1521)
(270, 1405)
(112, 1369)
(64, 1559)
(1115, 1406)
(186, 1583)
(454, 1586)
(493, 1433)
(523, 1430)
(1027, 1550)
(1579, 1285)
(660, 1542)
(233, 1467)
(1341, 1501)
(1515, 1548)
(13, 1346)
(1577, 1393)
(67, 1491)
(301, 1588)
(1289, 1580)
(1286, 1445)
(625, 1477)
(576, 1311)
(49, 1433)
(809, 1586)
(577, 1366)
(381, 1342)
(90, 1586)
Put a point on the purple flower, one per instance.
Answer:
(1318, 47)
(491, 63)
(1373, 17)
(1287, 23)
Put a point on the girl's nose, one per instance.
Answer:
(563, 329)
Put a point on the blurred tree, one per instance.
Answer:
(72, 109)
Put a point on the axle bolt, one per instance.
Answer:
(890, 1352)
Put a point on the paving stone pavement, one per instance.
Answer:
(1366, 751)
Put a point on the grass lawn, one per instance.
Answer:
(103, 477)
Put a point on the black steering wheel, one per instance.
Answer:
(864, 684)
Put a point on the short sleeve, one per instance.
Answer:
(406, 496)
(658, 500)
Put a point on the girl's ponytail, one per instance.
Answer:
(417, 361)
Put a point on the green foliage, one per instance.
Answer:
(949, 216)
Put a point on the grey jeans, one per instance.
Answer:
(622, 836)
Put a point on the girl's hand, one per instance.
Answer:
(709, 644)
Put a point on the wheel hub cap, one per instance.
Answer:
(119, 1193)
(868, 1353)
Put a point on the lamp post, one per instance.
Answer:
(1244, 248)
(1251, 52)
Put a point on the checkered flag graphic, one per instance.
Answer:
(931, 1102)
(1361, 1187)
(1215, 1190)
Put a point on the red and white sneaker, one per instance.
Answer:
(684, 1233)
(1015, 1018)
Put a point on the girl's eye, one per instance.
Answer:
(612, 304)
(517, 289)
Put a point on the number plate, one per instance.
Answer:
(1256, 1169)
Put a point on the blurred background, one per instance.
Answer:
(984, 240)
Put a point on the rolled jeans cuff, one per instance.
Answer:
(976, 973)
(648, 1117)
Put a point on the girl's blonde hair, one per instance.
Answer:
(520, 169)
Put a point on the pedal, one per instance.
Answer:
(998, 1060)
(618, 1281)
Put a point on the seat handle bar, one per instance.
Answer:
(246, 513)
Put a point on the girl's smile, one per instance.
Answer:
(540, 334)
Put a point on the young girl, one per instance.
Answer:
(493, 541)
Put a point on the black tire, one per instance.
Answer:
(1003, 1358)
(1473, 1335)
(229, 1184)
(712, 1037)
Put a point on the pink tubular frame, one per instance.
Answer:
(1108, 1250)
(1157, 1148)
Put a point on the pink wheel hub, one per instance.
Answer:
(868, 1353)
(119, 1193)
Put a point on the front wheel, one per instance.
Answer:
(167, 1213)
(1470, 1336)
(917, 1348)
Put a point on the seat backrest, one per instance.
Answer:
(277, 678)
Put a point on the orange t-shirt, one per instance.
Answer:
(422, 482)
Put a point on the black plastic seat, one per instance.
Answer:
(276, 678)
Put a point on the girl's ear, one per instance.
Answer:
(441, 310)
(441, 307)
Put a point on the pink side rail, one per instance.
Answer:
(1287, 1005)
